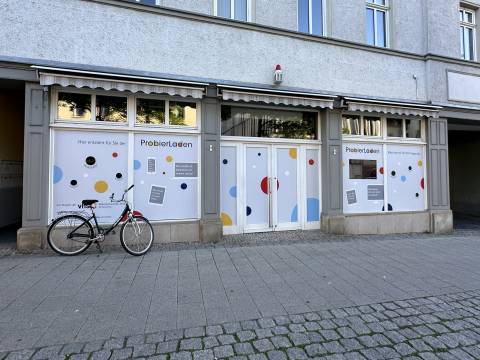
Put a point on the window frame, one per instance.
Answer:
(384, 138)
(464, 26)
(130, 123)
(370, 4)
(232, 10)
(310, 18)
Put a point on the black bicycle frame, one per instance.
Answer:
(100, 230)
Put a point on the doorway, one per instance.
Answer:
(269, 186)
(12, 103)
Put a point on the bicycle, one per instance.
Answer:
(72, 234)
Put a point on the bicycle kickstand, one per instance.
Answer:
(98, 247)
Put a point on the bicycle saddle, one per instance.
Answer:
(89, 203)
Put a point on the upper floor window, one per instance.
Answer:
(467, 34)
(377, 22)
(233, 9)
(311, 15)
(148, 2)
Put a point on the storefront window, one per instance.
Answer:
(111, 108)
(363, 169)
(394, 127)
(351, 125)
(413, 129)
(182, 113)
(74, 106)
(372, 126)
(150, 111)
(268, 123)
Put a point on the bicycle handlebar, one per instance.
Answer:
(124, 193)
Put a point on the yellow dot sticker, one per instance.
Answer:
(420, 163)
(101, 186)
(292, 153)
(226, 219)
(169, 158)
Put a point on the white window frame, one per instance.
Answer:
(464, 25)
(383, 8)
(232, 10)
(310, 18)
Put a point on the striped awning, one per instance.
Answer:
(65, 80)
(278, 97)
(394, 108)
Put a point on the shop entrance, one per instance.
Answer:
(269, 187)
(464, 145)
(12, 94)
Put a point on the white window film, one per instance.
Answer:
(228, 185)
(233, 9)
(376, 23)
(467, 34)
(311, 16)
(99, 152)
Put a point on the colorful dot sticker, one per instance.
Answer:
(183, 186)
(101, 186)
(225, 161)
(311, 162)
(119, 176)
(249, 210)
(137, 164)
(420, 163)
(90, 160)
(381, 170)
(169, 158)
(403, 178)
(57, 174)
(226, 219)
(115, 155)
(233, 191)
(73, 183)
(293, 153)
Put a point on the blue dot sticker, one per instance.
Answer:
(403, 178)
(225, 161)
(184, 186)
(249, 210)
(233, 191)
(137, 164)
(57, 174)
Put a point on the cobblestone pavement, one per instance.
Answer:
(411, 297)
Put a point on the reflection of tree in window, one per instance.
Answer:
(71, 105)
(150, 111)
(268, 123)
(111, 108)
(181, 113)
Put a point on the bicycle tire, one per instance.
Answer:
(52, 227)
(123, 237)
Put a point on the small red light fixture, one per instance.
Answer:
(278, 74)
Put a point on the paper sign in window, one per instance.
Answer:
(157, 195)
(186, 170)
(151, 165)
(351, 197)
(375, 192)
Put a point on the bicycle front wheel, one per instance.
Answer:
(136, 235)
(70, 235)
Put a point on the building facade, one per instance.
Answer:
(235, 116)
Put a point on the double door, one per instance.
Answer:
(270, 190)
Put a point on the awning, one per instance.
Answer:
(388, 107)
(278, 97)
(119, 85)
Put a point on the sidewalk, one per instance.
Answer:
(48, 300)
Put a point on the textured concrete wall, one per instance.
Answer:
(443, 27)
(79, 32)
(200, 6)
(347, 20)
(408, 26)
(282, 15)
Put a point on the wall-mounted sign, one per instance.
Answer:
(351, 197)
(375, 192)
(186, 170)
(157, 194)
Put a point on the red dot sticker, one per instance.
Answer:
(422, 183)
(311, 162)
(381, 171)
(264, 185)
(115, 155)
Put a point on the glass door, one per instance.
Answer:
(286, 193)
(257, 184)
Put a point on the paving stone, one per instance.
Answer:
(334, 347)
(312, 316)
(79, 357)
(246, 335)
(257, 357)
(194, 332)
(249, 325)
(210, 342)
(387, 352)
(346, 332)
(280, 342)
(182, 355)
(297, 319)
(158, 357)
(191, 344)
(144, 350)
(100, 355)
(173, 335)
(280, 330)
(296, 353)
(167, 347)
(20, 355)
(243, 348)
(225, 351)
(135, 340)
(47, 352)
(226, 339)
(299, 339)
(276, 355)
(351, 344)
(263, 345)
(435, 343)
(231, 328)
(296, 328)
(329, 335)
(263, 333)
(314, 350)
(70, 349)
(125, 353)
(203, 355)
(155, 338)
(281, 320)
(114, 343)
(420, 345)
(404, 349)
(93, 346)
(266, 323)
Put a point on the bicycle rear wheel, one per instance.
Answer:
(70, 235)
(136, 235)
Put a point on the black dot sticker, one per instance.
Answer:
(259, 154)
(410, 168)
(225, 161)
(119, 176)
(393, 173)
(74, 182)
(90, 160)
(417, 195)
